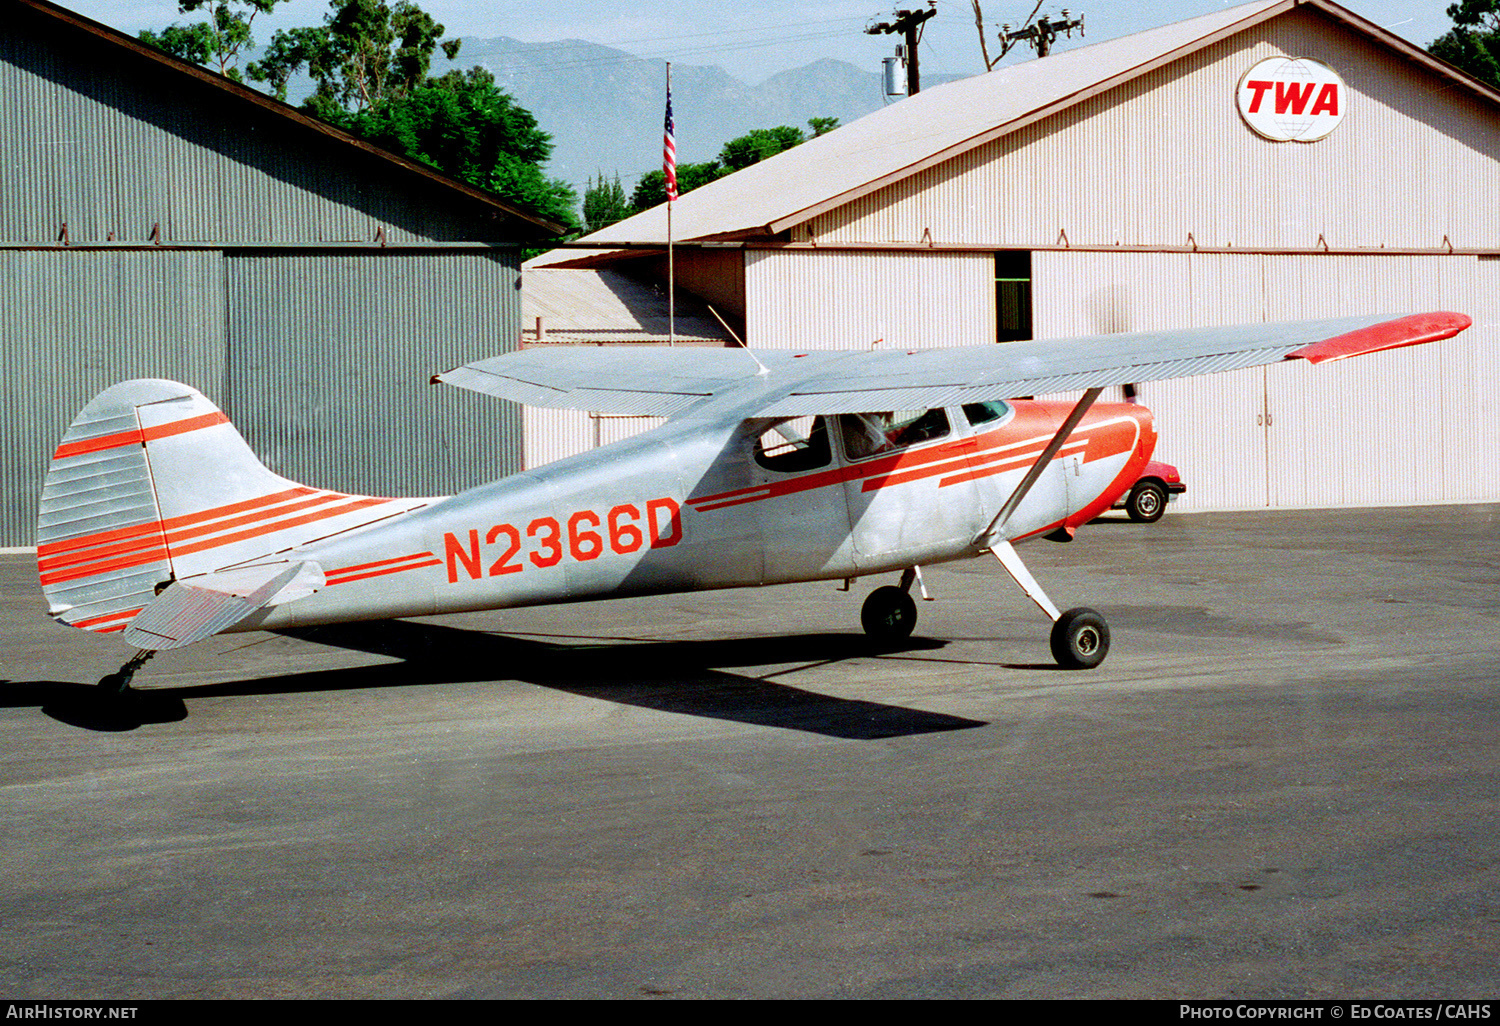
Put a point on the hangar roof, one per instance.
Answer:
(238, 98)
(945, 121)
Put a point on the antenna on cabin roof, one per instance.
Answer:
(908, 24)
(1041, 33)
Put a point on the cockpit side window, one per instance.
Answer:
(794, 445)
(871, 434)
(983, 413)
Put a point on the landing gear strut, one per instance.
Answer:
(118, 683)
(1080, 637)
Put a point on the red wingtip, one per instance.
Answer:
(1403, 331)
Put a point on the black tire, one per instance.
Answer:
(1147, 502)
(1080, 639)
(889, 614)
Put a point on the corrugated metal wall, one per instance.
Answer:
(114, 147)
(1167, 155)
(74, 323)
(1415, 425)
(330, 356)
(831, 299)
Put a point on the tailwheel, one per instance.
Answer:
(1080, 639)
(118, 683)
(889, 614)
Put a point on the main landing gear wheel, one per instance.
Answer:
(889, 614)
(1147, 502)
(1080, 639)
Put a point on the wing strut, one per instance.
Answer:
(996, 530)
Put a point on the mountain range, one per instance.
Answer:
(604, 107)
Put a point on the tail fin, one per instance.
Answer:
(152, 485)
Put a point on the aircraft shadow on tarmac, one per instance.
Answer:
(674, 676)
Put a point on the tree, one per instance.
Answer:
(1474, 42)
(217, 41)
(604, 203)
(466, 126)
(364, 52)
(370, 64)
(758, 144)
(651, 190)
(737, 154)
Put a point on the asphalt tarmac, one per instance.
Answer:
(1282, 783)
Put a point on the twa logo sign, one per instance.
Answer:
(1292, 99)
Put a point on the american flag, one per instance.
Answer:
(669, 151)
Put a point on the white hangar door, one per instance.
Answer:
(1406, 426)
(1212, 428)
(1398, 427)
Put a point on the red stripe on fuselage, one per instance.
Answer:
(270, 524)
(974, 457)
(345, 577)
(376, 563)
(175, 536)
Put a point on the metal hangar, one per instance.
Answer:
(158, 220)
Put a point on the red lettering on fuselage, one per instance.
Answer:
(661, 539)
(469, 557)
(546, 541)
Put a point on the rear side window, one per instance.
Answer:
(793, 445)
(871, 434)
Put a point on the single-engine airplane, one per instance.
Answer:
(159, 523)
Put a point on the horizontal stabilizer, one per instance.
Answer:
(209, 603)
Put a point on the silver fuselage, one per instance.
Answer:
(687, 507)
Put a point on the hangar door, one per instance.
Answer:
(1405, 426)
(330, 355)
(75, 322)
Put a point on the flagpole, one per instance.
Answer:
(669, 155)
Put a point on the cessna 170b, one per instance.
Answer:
(159, 523)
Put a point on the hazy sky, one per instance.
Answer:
(754, 41)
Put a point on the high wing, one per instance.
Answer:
(629, 380)
(669, 382)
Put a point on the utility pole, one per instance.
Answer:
(1042, 34)
(908, 24)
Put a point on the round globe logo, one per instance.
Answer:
(1292, 99)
